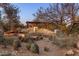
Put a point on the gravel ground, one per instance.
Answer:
(53, 50)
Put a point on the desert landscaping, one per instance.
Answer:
(40, 43)
(53, 32)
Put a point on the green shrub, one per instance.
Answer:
(16, 44)
(34, 48)
(1, 39)
(46, 49)
(21, 39)
(28, 46)
(28, 38)
(65, 41)
(10, 40)
(74, 28)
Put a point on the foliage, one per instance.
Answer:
(46, 49)
(63, 28)
(9, 40)
(16, 44)
(28, 46)
(66, 41)
(12, 16)
(58, 13)
(75, 28)
(34, 48)
(2, 39)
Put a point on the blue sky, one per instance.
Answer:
(27, 9)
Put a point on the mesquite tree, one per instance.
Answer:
(59, 13)
(12, 15)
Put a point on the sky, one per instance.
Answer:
(27, 9)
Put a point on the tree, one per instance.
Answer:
(59, 13)
(12, 16)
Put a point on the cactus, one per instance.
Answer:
(16, 44)
(34, 48)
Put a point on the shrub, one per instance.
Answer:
(33, 36)
(28, 46)
(46, 49)
(39, 37)
(66, 41)
(34, 48)
(21, 38)
(74, 28)
(1, 39)
(16, 44)
(28, 38)
(10, 40)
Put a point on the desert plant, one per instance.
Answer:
(16, 44)
(46, 49)
(34, 48)
(27, 38)
(65, 41)
(10, 40)
(21, 38)
(1, 39)
(28, 46)
(39, 37)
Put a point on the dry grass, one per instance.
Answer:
(65, 41)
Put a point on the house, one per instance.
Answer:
(40, 24)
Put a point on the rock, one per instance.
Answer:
(6, 53)
(77, 45)
(76, 51)
(70, 53)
